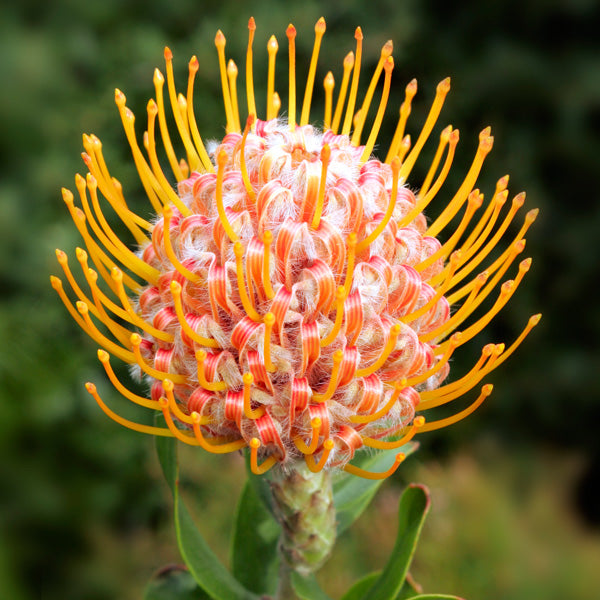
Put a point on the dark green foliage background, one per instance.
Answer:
(69, 477)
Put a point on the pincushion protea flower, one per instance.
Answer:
(290, 295)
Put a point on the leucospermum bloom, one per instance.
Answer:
(290, 295)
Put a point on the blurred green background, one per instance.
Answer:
(516, 507)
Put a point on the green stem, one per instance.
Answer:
(285, 591)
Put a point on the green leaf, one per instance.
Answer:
(307, 588)
(205, 567)
(414, 505)
(254, 546)
(361, 587)
(352, 494)
(174, 583)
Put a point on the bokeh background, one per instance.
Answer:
(516, 509)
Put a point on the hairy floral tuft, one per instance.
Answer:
(290, 296)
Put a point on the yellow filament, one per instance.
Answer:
(325, 157)
(232, 73)
(118, 248)
(136, 340)
(265, 465)
(310, 81)
(315, 466)
(272, 48)
(167, 195)
(64, 263)
(486, 390)
(266, 272)
(533, 321)
(354, 86)
(354, 470)
(191, 117)
(167, 212)
(211, 386)
(385, 409)
(58, 287)
(405, 108)
(185, 326)
(328, 85)
(136, 320)
(159, 82)
(363, 244)
(442, 90)
(340, 298)
(238, 250)
(454, 343)
(225, 448)
(351, 255)
(314, 440)
(444, 139)
(337, 357)
(516, 243)
(385, 55)
(249, 72)
(514, 251)
(475, 200)
(415, 314)
(463, 192)
(388, 66)
(387, 349)
(220, 44)
(383, 445)
(149, 429)
(94, 333)
(186, 438)
(243, 167)
(291, 35)
(461, 314)
(82, 257)
(221, 162)
(404, 147)
(179, 116)
(104, 358)
(339, 107)
(269, 321)
(424, 200)
(250, 412)
(151, 185)
(181, 416)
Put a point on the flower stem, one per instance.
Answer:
(285, 591)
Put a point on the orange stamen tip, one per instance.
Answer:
(90, 387)
(82, 307)
(200, 355)
(267, 237)
(168, 53)
(231, 68)
(251, 24)
(389, 64)
(325, 153)
(487, 144)
(485, 133)
(396, 164)
(163, 402)
(61, 256)
(316, 423)
(168, 385)
(195, 417)
(135, 339)
(290, 31)
(269, 319)
(352, 238)
(222, 158)
(152, 107)
(272, 44)
(328, 444)
(103, 355)
(250, 120)
(535, 319)
(531, 216)
(254, 443)
(338, 356)
(158, 78)
(387, 49)
(220, 39)
(320, 25)
(55, 282)
(358, 34)
(248, 378)
(349, 60)
(444, 86)
(487, 389)
(419, 421)
(120, 98)
(400, 457)
(340, 293)
(194, 65)
(175, 287)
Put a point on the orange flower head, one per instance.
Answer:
(290, 295)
